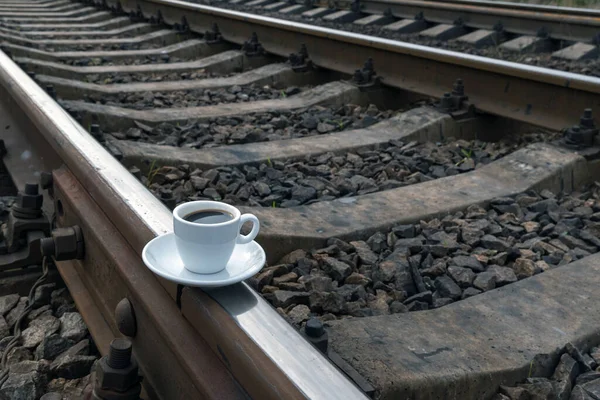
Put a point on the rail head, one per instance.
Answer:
(140, 216)
(546, 75)
(518, 6)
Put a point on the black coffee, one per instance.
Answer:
(208, 216)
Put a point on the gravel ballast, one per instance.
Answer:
(576, 376)
(329, 176)
(258, 127)
(193, 98)
(437, 262)
(121, 78)
(143, 60)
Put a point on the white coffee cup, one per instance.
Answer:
(205, 248)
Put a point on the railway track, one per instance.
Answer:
(555, 37)
(384, 175)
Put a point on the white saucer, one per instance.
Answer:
(160, 255)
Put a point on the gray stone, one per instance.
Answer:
(38, 312)
(25, 367)
(592, 388)
(446, 287)
(299, 314)
(4, 342)
(470, 292)
(352, 292)
(567, 369)
(403, 277)
(564, 376)
(418, 306)
(397, 307)
(595, 354)
(285, 278)
(514, 393)
(485, 281)
(82, 348)
(42, 294)
(379, 305)
(278, 270)
(14, 314)
(377, 242)
(357, 279)
(52, 396)
(7, 303)
(436, 269)
(574, 243)
(493, 243)
(577, 356)
(285, 298)
(462, 276)
(504, 275)
(51, 346)
(318, 284)
(470, 235)
(72, 326)
(385, 271)
(343, 246)
(72, 366)
(413, 245)
(404, 231)
(338, 270)
(416, 275)
(499, 259)
(523, 268)
(543, 206)
(18, 354)
(303, 193)
(588, 377)
(38, 329)
(326, 302)
(199, 183)
(4, 329)
(442, 301)
(540, 389)
(423, 297)
(579, 393)
(468, 262)
(332, 250)
(589, 237)
(262, 189)
(65, 308)
(23, 386)
(72, 389)
(293, 257)
(365, 254)
(60, 297)
(262, 279)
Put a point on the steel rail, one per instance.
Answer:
(558, 23)
(266, 355)
(526, 6)
(540, 96)
(41, 136)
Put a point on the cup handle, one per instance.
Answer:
(243, 239)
